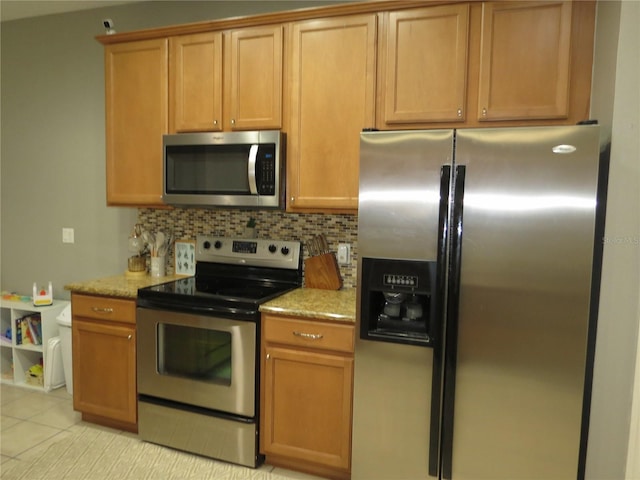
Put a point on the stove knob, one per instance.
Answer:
(285, 250)
(207, 245)
(272, 248)
(218, 245)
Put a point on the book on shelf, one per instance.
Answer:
(18, 331)
(26, 337)
(29, 330)
(36, 338)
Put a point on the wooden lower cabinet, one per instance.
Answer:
(306, 388)
(104, 361)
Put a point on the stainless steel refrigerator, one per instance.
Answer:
(478, 281)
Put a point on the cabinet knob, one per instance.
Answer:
(233, 122)
(129, 337)
(293, 199)
(484, 112)
(268, 356)
(459, 112)
(215, 122)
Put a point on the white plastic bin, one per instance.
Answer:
(54, 371)
(64, 331)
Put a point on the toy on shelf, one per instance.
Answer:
(42, 297)
(14, 297)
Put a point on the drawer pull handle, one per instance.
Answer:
(311, 336)
(102, 310)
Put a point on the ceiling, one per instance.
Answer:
(16, 9)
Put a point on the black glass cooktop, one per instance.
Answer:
(232, 290)
(219, 289)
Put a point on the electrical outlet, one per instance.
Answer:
(67, 235)
(344, 254)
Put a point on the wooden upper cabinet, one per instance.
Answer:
(332, 96)
(226, 82)
(423, 65)
(254, 80)
(525, 60)
(195, 79)
(466, 64)
(136, 119)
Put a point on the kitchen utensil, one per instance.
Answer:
(323, 243)
(149, 239)
(164, 248)
(159, 242)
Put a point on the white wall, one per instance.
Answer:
(612, 444)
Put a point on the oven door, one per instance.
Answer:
(198, 360)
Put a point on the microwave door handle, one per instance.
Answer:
(253, 155)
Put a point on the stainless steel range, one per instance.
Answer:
(198, 343)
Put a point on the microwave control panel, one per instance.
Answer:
(266, 170)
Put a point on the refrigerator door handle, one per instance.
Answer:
(451, 336)
(437, 325)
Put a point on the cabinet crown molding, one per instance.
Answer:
(371, 6)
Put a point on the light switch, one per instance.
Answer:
(344, 253)
(67, 235)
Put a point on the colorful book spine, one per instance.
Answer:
(33, 333)
(18, 331)
(37, 324)
(24, 327)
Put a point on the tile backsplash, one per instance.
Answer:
(186, 223)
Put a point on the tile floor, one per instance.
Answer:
(31, 420)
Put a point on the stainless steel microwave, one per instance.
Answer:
(226, 169)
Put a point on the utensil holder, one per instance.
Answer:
(322, 272)
(157, 266)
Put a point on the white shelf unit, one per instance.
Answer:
(16, 359)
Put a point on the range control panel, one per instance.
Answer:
(251, 252)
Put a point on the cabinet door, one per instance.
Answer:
(307, 406)
(104, 369)
(136, 119)
(525, 60)
(195, 69)
(332, 100)
(255, 78)
(424, 65)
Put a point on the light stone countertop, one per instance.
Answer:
(336, 305)
(118, 285)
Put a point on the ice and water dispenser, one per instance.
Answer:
(398, 301)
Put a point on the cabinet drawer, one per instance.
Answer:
(308, 333)
(104, 308)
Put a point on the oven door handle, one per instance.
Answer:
(176, 306)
